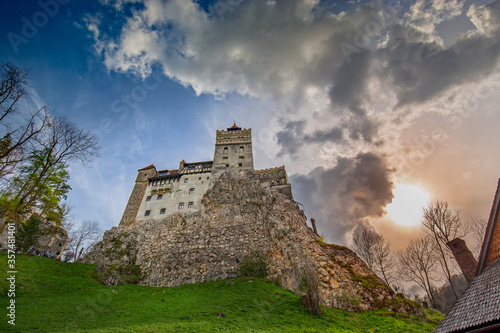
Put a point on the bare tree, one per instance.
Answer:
(417, 263)
(375, 250)
(364, 239)
(12, 83)
(384, 261)
(477, 226)
(81, 239)
(443, 225)
(59, 144)
(15, 135)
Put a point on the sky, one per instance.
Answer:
(374, 107)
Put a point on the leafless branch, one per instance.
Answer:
(82, 238)
(417, 263)
(443, 225)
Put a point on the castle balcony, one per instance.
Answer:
(197, 167)
(161, 189)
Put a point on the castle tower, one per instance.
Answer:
(134, 202)
(233, 150)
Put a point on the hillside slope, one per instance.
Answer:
(59, 297)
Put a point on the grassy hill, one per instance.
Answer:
(58, 297)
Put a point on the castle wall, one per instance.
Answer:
(239, 217)
(136, 197)
(159, 194)
(275, 178)
(173, 191)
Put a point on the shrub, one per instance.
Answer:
(114, 275)
(253, 265)
(309, 300)
(321, 241)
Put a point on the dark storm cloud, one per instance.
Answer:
(423, 70)
(332, 135)
(349, 83)
(349, 93)
(293, 137)
(341, 197)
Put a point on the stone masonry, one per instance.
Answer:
(137, 195)
(240, 218)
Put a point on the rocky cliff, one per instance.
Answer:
(240, 219)
(51, 238)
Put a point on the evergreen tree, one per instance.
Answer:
(28, 232)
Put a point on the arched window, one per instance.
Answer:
(226, 150)
(242, 149)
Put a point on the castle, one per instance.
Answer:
(205, 220)
(157, 194)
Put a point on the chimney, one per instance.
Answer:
(464, 257)
(181, 165)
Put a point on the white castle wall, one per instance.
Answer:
(233, 151)
(174, 191)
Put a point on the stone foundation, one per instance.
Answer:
(240, 218)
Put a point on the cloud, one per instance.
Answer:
(341, 197)
(259, 49)
(422, 71)
(337, 112)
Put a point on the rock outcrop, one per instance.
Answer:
(240, 219)
(52, 238)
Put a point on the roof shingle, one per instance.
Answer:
(478, 305)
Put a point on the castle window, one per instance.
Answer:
(191, 204)
(191, 190)
(225, 158)
(162, 211)
(226, 150)
(185, 180)
(242, 157)
(181, 205)
(227, 165)
(160, 196)
(242, 148)
(199, 178)
(208, 178)
(148, 198)
(147, 213)
(240, 164)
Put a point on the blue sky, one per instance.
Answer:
(412, 99)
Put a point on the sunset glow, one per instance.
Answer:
(406, 207)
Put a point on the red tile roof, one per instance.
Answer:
(152, 166)
(234, 128)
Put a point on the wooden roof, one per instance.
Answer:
(478, 310)
(490, 250)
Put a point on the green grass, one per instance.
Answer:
(58, 297)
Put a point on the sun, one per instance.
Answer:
(406, 207)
